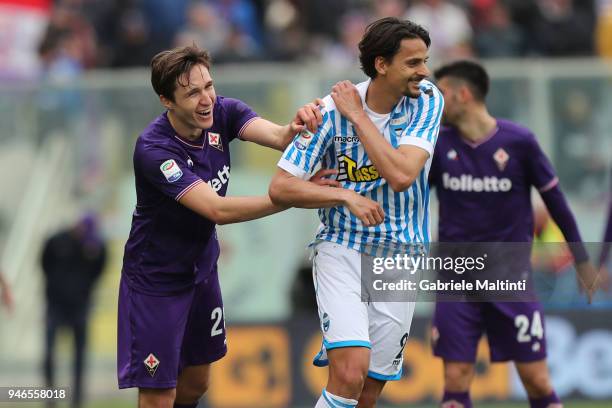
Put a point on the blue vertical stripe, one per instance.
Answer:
(416, 203)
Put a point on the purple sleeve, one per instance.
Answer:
(434, 171)
(607, 239)
(239, 116)
(562, 215)
(165, 169)
(540, 171)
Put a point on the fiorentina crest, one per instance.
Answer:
(151, 363)
(214, 140)
(501, 158)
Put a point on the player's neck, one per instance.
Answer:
(477, 125)
(379, 99)
(183, 130)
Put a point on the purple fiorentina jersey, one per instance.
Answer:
(171, 247)
(484, 189)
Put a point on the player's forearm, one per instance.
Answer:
(562, 215)
(390, 163)
(294, 192)
(268, 134)
(237, 209)
(203, 200)
(278, 136)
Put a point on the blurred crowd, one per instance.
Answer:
(75, 35)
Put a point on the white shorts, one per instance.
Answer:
(346, 321)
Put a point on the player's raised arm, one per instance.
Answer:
(269, 134)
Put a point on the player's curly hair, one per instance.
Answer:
(168, 68)
(383, 38)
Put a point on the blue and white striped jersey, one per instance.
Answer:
(413, 121)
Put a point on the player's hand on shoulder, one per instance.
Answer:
(347, 100)
(368, 211)
(320, 178)
(308, 117)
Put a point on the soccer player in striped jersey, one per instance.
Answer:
(483, 171)
(380, 135)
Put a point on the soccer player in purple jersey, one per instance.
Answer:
(171, 324)
(483, 171)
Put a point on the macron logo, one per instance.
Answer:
(466, 182)
(221, 179)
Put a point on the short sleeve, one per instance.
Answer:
(239, 116)
(303, 155)
(540, 171)
(166, 170)
(424, 126)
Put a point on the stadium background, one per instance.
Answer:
(75, 93)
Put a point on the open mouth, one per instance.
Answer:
(204, 113)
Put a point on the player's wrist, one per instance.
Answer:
(346, 196)
(357, 117)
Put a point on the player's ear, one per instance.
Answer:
(466, 93)
(166, 102)
(380, 64)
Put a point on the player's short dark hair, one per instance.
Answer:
(168, 67)
(471, 72)
(383, 38)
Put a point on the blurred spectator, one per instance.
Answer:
(68, 45)
(603, 32)
(582, 131)
(564, 28)
(72, 261)
(60, 56)
(204, 28)
(166, 17)
(388, 8)
(133, 46)
(286, 37)
(6, 295)
(22, 25)
(242, 16)
(449, 28)
(496, 33)
(344, 54)
(320, 17)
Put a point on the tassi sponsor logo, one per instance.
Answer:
(348, 171)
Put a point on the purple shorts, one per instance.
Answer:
(514, 330)
(159, 335)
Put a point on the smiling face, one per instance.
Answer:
(194, 99)
(407, 68)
